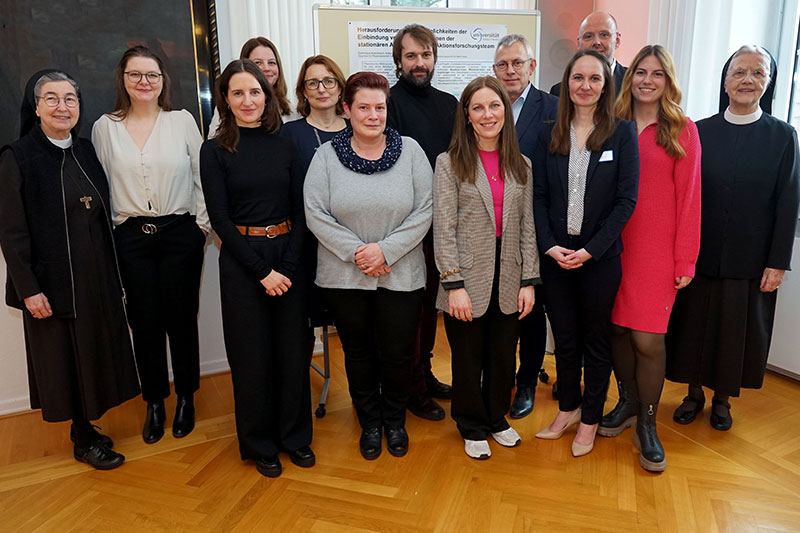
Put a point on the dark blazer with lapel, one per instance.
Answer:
(619, 73)
(464, 237)
(611, 189)
(538, 107)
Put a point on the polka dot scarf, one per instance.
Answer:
(351, 160)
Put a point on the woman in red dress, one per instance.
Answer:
(661, 241)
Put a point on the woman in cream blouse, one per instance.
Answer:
(151, 157)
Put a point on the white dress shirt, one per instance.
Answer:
(516, 107)
(163, 178)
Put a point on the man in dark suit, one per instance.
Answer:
(513, 66)
(599, 32)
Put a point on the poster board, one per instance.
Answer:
(360, 38)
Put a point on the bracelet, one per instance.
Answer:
(449, 273)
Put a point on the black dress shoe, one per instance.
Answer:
(436, 388)
(153, 428)
(425, 407)
(397, 441)
(303, 457)
(370, 443)
(721, 422)
(269, 466)
(183, 423)
(105, 440)
(685, 414)
(522, 405)
(98, 456)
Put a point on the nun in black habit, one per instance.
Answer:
(55, 233)
(721, 325)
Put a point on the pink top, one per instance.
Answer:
(491, 165)
(662, 238)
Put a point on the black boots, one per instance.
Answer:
(153, 428)
(183, 423)
(651, 455)
(624, 413)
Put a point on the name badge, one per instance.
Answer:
(608, 155)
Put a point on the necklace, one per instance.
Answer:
(493, 178)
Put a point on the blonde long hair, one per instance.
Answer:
(671, 119)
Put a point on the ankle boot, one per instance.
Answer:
(183, 423)
(651, 455)
(153, 428)
(623, 415)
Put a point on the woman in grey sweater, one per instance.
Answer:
(368, 200)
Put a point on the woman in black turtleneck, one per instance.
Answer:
(253, 184)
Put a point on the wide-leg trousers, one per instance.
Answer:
(579, 303)
(265, 339)
(161, 275)
(532, 342)
(427, 323)
(378, 330)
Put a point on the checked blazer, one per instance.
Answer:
(464, 236)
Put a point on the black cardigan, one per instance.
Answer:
(33, 225)
(751, 190)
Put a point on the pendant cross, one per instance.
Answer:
(86, 201)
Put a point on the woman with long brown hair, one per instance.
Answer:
(485, 246)
(586, 174)
(151, 156)
(255, 202)
(264, 54)
(661, 240)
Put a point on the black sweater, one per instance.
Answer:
(260, 184)
(425, 114)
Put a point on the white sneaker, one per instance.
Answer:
(477, 449)
(508, 438)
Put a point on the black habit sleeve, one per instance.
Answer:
(786, 208)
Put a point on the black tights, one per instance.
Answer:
(84, 432)
(696, 394)
(639, 360)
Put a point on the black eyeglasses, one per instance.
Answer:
(313, 84)
(52, 100)
(136, 77)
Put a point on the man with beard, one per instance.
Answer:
(599, 32)
(418, 110)
(514, 65)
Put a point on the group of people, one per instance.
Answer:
(600, 204)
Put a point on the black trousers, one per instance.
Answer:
(532, 342)
(579, 303)
(377, 329)
(427, 323)
(483, 360)
(265, 340)
(161, 274)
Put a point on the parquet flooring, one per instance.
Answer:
(747, 479)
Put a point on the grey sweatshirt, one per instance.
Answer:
(345, 209)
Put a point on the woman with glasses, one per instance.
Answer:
(264, 54)
(151, 157)
(55, 232)
(319, 101)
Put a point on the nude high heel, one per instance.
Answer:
(553, 435)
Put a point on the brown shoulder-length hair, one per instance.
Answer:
(463, 149)
(419, 33)
(605, 121)
(228, 132)
(671, 120)
(303, 107)
(280, 84)
(122, 104)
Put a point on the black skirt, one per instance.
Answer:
(719, 334)
(83, 366)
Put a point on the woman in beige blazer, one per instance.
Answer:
(485, 247)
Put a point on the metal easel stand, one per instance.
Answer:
(325, 372)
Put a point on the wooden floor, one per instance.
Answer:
(747, 479)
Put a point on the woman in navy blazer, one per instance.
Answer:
(586, 175)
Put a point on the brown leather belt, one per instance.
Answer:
(269, 232)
